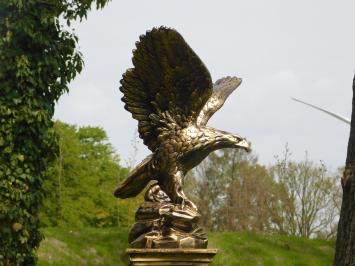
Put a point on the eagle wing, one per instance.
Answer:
(222, 88)
(168, 85)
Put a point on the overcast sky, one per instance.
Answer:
(281, 49)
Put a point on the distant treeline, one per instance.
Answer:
(236, 193)
(232, 190)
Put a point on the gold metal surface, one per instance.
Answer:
(155, 257)
(170, 93)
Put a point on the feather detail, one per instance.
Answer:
(168, 85)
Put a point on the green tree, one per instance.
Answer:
(81, 180)
(38, 58)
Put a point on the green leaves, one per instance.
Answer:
(81, 180)
(38, 58)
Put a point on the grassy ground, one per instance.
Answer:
(90, 246)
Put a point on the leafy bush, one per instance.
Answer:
(38, 59)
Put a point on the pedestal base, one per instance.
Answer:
(177, 256)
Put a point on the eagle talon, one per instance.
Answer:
(190, 205)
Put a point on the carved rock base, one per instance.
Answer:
(163, 224)
(160, 257)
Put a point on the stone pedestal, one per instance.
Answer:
(176, 256)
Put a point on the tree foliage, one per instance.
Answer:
(235, 193)
(80, 182)
(38, 58)
(312, 195)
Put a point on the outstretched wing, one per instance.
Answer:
(168, 85)
(221, 90)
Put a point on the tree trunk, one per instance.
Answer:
(345, 245)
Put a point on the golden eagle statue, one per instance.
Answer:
(170, 92)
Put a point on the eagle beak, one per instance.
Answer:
(244, 144)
